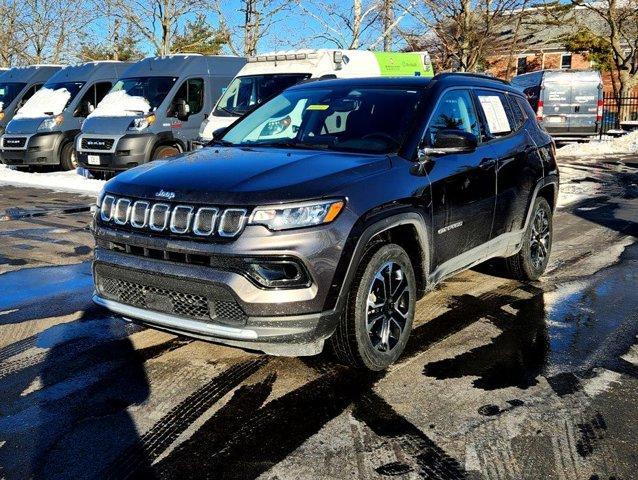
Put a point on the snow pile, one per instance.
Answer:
(121, 104)
(45, 102)
(60, 181)
(622, 145)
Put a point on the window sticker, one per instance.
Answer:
(495, 114)
(317, 106)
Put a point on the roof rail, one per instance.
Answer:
(482, 76)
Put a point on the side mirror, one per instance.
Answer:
(219, 133)
(181, 109)
(454, 141)
(83, 109)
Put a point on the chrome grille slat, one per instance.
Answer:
(176, 219)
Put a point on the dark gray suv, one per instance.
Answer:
(327, 212)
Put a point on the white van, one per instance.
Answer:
(267, 75)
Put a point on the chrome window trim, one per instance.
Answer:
(188, 218)
(152, 217)
(242, 222)
(102, 216)
(204, 233)
(146, 213)
(117, 209)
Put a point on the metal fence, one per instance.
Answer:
(619, 114)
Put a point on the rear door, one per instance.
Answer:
(585, 94)
(556, 95)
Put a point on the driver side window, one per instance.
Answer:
(455, 111)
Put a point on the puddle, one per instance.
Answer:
(579, 326)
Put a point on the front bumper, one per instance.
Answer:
(38, 149)
(127, 151)
(218, 303)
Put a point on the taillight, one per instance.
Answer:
(539, 110)
(599, 110)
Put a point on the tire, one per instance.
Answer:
(351, 343)
(68, 157)
(531, 261)
(165, 151)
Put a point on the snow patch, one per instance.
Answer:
(45, 102)
(70, 181)
(622, 145)
(121, 104)
(601, 383)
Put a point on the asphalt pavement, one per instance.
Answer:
(500, 379)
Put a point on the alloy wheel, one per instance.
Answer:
(540, 238)
(388, 307)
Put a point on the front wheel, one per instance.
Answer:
(165, 151)
(530, 262)
(377, 321)
(68, 157)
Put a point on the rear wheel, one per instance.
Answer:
(165, 151)
(377, 321)
(68, 157)
(530, 262)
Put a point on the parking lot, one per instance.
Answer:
(499, 379)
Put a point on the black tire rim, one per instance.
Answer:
(540, 238)
(387, 308)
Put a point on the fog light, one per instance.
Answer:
(278, 273)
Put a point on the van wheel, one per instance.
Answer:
(165, 151)
(376, 323)
(530, 262)
(68, 157)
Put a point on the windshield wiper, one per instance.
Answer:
(219, 141)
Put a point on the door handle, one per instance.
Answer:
(487, 163)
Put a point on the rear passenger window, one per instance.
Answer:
(518, 113)
(455, 111)
(497, 113)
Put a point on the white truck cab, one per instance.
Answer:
(267, 75)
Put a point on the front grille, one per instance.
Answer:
(173, 219)
(97, 143)
(170, 301)
(14, 142)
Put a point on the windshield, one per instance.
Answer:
(367, 120)
(152, 89)
(244, 93)
(9, 91)
(51, 99)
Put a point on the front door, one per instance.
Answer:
(463, 184)
(185, 124)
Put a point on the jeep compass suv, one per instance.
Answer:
(279, 239)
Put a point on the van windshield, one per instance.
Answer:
(246, 92)
(349, 119)
(153, 89)
(51, 99)
(8, 92)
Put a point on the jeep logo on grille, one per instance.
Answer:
(165, 194)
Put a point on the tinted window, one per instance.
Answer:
(521, 65)
(455, 111)
(95, 94)
(9, 91)
(246, 92)
(518, 114)
(191, 92)
(370, 120)
(497, 112)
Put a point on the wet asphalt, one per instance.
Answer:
(500, 379)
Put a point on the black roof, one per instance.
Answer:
(448, 78)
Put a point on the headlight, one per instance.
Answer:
(50, 123)
(139, 124)
(1, 115)
(298, 215)
(274, 127)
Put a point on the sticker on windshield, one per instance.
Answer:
(318, 107)
(495, 114)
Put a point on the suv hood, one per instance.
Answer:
(247, 176)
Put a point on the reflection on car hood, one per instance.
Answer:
(248, 176)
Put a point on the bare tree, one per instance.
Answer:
(259, 18)
(10, 38)
(157, 20)
(468, 30)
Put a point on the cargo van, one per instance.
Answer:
(568, 103)
(153, 111)
(19, 84)
(267, 75)
(43, 130)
